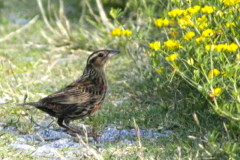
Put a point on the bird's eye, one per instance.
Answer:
(100, 55)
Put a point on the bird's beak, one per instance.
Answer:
(113, 52)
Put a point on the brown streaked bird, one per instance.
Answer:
(82, 97)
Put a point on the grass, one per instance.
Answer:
(36, 65)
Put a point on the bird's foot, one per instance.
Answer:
(94, 134)
(77, 132)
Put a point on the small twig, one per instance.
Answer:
(25, 98)
(64, 18)
(141, 154)
(103, 15)
(91, 11)
(91, 150)
(50, 40)
(10, 35)
(45, 18)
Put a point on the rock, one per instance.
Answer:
(45, 151)
(29, 138)
(110, 135)
(113, 134)
(48, 134)
(127, 132)
(152, 134)
(22, 147)
(10, 129)
(62, 143)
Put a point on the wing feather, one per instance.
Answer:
(76, 95)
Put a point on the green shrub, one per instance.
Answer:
(198, 42)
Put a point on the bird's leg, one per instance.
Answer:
(65, 124)
(94, 132)
(71, 128)
(60, 123)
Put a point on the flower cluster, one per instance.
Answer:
(172, 57)
(155, 45)
(202, 22)
(183, 12)
(205, 34)
(199, 39)
(208, 9)
(172, 44)
(214, 72)
(215, 93)
(160, 22)
(119, 32)
(230, 2)
(185, 17)
(188, 36)
(176, 12)
(192, 10)
(185, 21)
(209, 28)
(230, 24)
(222, 47)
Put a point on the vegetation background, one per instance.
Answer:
(189, 85)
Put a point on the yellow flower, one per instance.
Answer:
(220, 47)
(159, 70)
(208, 33)
(175, 12)
(116, 32)
(232, 47)
(126, 32)
(192, 10)
(185, 21)
(208, 9)
(230, 24)
(160, 22)
(202, 19)
(199, 39)
(155, 45)
(202, 22)
(172, 44)
(217, 91)
(210, 47)
(230, 2)
(188, 36)
(214, 72)
(223, 47)
(203, 25)
(190, 61)
(172, 57)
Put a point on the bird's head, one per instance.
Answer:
(100, 57)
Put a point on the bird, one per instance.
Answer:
(82, 97)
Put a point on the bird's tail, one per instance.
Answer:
(36, 104)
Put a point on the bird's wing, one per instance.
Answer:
(74, 94)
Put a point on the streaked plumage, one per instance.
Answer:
(82, 97)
